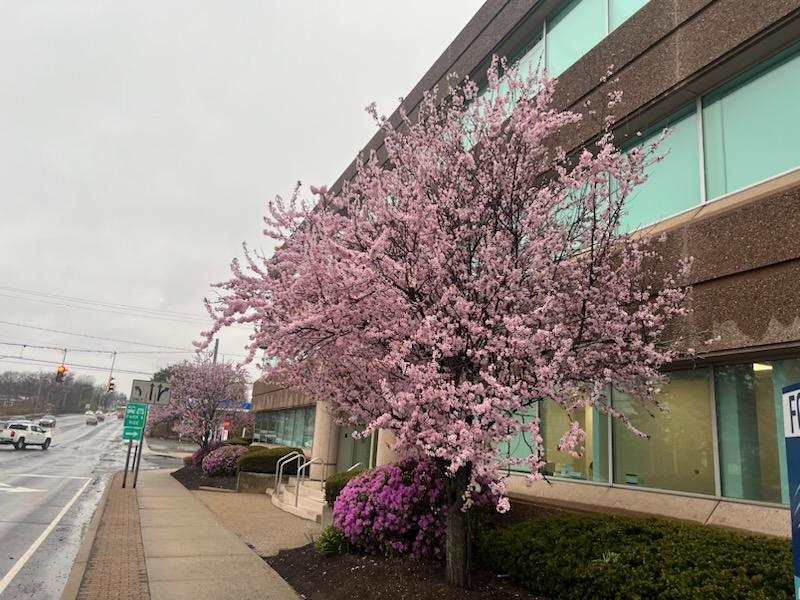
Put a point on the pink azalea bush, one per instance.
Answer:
(222, 461)
(199, 454)
(397, 509)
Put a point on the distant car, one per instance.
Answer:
(48, 421)
(22, 434)
(91, 419)
(101, 416)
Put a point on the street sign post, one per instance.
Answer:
(133, 429)
(791, 432)
(150, 392)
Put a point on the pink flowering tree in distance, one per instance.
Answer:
(472, 269)
(202, 393)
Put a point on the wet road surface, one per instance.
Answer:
(47, 499)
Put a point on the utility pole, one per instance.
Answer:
(216, 347)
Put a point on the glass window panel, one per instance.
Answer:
(673, 184)
(531, 60)
(520, 445)
(749, 444)
(284, 428)
(751, 126)
(573, 32)
(620, 10)
(593, 464)
(299, 427)
(679, 453)
(308, 431)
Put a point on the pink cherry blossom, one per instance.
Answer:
(470, 269)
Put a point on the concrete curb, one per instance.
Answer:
(208, 488)
(82, 558)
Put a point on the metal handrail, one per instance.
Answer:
(358, 464)
(300, 470)
(284, 460)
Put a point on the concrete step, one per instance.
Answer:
(308, 489)
(285, 502)
(314, 501)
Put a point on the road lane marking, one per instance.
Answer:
(15, 489)
(45, 476)
(30, 551)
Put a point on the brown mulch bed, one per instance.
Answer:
(350, 576)
(192, 478)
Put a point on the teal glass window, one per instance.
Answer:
(751, 126)
(298, 427)
(532, 60)
(679, 452)
(620, 10)
(292, 427)
(592, 465)
(673, 184)
(520, 446)
(749, 425)
(577, 28)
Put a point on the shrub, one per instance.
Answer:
(265, 460)
(396, 509)
(331, 542)
(187, 460)
(198, 455)
(222, 461)
(600, 556)
(336, 482)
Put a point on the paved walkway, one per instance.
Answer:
(160, 542)
(116, 564)
(191, 555)
(266, 528)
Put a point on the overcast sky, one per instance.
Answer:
(140, 142)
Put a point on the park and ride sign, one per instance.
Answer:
(791, 432)
(135, 414)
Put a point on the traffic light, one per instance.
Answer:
(61, 371)
(110, 385)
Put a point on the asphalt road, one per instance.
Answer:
(47, 499)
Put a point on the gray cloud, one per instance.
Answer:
(140, 142)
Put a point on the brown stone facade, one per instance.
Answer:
(267, 396)
(746, 252)
(746, 247)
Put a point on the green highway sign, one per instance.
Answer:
(135, 415)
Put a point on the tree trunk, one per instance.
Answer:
(458, 542)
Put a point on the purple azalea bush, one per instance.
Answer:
(222, 461)
(198, 455)
(396, 509)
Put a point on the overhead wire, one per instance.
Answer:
(42, 362)
(86, 350)
(102, 303)
(127, 310)
(93, 337)
(110, 312)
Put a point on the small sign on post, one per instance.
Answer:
(791, 432)
(134, 420)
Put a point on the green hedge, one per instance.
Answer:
(259, 459)
(600, 556)
(336, 482)
(238, 441)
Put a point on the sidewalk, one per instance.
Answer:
(160, 542)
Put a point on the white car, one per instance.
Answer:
(24, 433)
